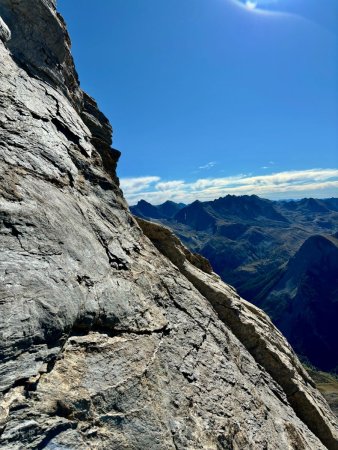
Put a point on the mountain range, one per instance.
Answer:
(280, 255)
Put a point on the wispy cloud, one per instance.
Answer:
(133, 185)
(268, 166)
(170, 185)
(208, 165)
(287, 184)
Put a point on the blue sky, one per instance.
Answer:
(209, 97)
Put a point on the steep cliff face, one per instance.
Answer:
(105, 342)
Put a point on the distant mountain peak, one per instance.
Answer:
(143, 202)
(165, 210)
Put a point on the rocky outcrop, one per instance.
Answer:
(5, 33)
(255, 330)
(40, 43)
(104, 342)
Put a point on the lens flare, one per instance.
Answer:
(323, 13)
(257, 4)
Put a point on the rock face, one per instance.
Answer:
(105, 343)
(5, 33)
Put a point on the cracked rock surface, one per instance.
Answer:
(104, 342)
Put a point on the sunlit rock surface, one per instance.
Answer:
(105, 343)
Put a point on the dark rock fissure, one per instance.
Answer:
(70, 136)
(54, 432)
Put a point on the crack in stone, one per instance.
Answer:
(55, 431)
(114, 261)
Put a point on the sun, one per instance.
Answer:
(250, 4)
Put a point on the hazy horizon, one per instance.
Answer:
(243, 195)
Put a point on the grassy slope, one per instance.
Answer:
(327, 384)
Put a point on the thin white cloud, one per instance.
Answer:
(132, 185)
(170, 185)
(204, 183)
(268, 166)
(208, 165)
(287, 184)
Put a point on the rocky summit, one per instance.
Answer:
(113, 335)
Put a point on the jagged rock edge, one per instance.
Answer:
(231, 309)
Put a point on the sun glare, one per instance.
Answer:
(250, 4)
